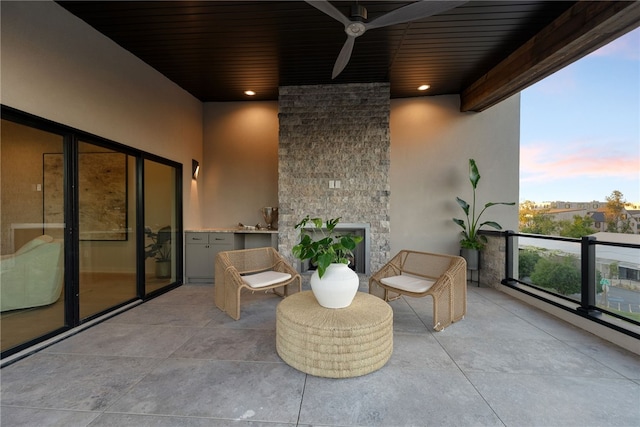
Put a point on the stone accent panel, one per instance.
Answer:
(492, 261)
(339, 133)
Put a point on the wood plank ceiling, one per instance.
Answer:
(217, 49)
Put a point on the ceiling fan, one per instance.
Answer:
(358, 25)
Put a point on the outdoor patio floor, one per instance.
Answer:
(178, 361)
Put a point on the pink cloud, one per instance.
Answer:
(626, 47)
(546, 161)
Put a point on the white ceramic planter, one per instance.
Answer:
(337, 288)
(163, 269)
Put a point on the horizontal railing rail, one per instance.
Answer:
(587, 306)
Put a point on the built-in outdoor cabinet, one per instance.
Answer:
(201, 250)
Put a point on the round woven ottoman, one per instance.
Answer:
(334, 343)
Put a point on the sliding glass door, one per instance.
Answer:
(160, 225)
(87, 226)
(106, 228)
(32, 177)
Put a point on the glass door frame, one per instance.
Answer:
(178, 233)
(71, 138)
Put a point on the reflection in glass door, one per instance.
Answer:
(72, 239)
(106, 229)
(32, 238)
(161, 231)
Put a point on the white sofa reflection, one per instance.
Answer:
(33, 275)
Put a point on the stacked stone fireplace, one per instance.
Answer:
(336, 134)
(359, 262)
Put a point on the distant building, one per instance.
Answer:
(626, 259)
(562, 210)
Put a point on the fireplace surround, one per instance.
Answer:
(361, 261)
(336, 133)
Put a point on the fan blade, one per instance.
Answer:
(329, 9)
(413, 12)
(343, 58)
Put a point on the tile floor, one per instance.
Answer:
(179, 361)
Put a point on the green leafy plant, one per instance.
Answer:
(160, 246)
(470, 237)
(329, 249)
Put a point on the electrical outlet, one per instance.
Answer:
(332, 184)
(338, 184)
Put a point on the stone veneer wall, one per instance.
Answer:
(492, 261)
(335, 132)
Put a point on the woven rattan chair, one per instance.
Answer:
(253, 269)
(419, 274)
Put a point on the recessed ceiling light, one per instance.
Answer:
(423, 87)
(249, 92)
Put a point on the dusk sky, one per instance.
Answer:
(580, 128)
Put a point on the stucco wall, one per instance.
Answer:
(240, 163)
(55, 66)
(431, 143)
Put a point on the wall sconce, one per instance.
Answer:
(195, 168)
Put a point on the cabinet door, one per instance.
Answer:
(219, 242)
(197, 254)
(199, 262)
(201, 250)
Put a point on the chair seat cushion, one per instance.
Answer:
(408, 283)
(266, 278)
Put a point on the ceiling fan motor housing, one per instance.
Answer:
(358, 13)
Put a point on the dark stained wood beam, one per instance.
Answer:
(585, 27)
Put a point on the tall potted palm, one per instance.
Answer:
(472, 242)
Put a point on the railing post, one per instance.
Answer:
(588, 275)
(508, 258)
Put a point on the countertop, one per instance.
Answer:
(232, 230)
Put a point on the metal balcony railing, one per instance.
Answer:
(597, 280)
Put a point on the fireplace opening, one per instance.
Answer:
(360, 262)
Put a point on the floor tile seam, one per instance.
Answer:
(519, 375)
(434, 335)
(173, 304)
(157, 414)
(579, 349)
(530, 321)
(546, 375)
(418, 333)
(162, 415)
(594, 360)
(125, 393)
(47, 408)
(459, 369)
(530, 341)
(506, 339)
(133, 385)
(232, 328)
(304, 387)
(101, 355)
(484, 399)
(264, 362)
(403, 368)
(164, 325)
(428, 328)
